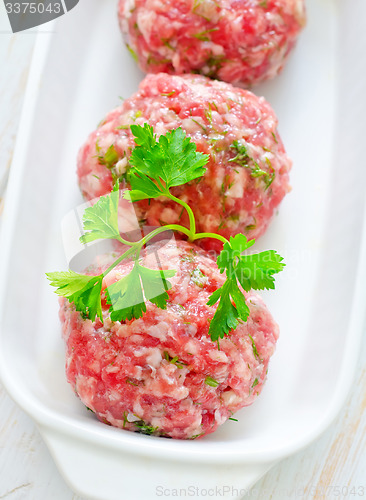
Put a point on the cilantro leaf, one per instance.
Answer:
(84, 291)
(127, 296)
(159, 165)
(101, 220)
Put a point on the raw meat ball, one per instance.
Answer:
(247, 175)
(244, 41)
(162, 374)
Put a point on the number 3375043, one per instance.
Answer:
(32, 8)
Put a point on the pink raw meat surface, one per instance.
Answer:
(233, 196)
(244, 41)
(162, 374)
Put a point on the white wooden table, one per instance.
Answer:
(337, 460)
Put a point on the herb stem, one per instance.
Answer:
(169, 227)
(192, 220)
(137, 245)
(125, 242)
(120, 259)
(199, 236)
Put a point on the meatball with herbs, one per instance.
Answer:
(237, 41)
(162, 374)
(248, 169)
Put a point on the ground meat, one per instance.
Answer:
(162, 374)
(244, 41)
(233, 196)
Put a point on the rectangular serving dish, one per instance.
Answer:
(77, 74)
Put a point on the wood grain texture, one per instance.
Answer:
(27, 472)
(335, 462)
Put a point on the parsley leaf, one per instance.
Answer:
(256, 271)
(155, 285)
(227, 314)
(127, 296)
(101, 220)
(144, 136)
(84, 291)
(231, 252)
(159, 165)
(251, 271)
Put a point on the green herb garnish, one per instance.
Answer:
(168, 94)
(242, 158)
(212, 382)
(144, 428)
(132, 52)
(110, 158)
(198, 278)
(101, 219)
(174, 361)
(196, 436)
(250, 271)
(203, 35)
(254, 347)
(131, 382)
(126, 296)
(156, 166)
(84, 291)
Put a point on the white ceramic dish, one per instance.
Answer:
(77, 74)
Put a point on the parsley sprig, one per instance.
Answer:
(156, 166)
(254, 271)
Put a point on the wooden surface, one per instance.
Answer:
(331, 468)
